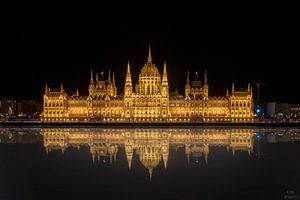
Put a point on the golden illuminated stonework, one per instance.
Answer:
(149, 101)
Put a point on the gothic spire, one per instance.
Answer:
(97, 78)
(188, 78)
(77, 93)
(232, 87)
(149, 55)
(61, 88)
(109, 80)
(165, 67)
(114, 82)
(46, 88)
(92, 79)
(128, 76)
(205, 77)
(248, 87)
(165, 75)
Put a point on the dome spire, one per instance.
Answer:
(149, 55)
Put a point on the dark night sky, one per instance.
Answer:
(53, 42)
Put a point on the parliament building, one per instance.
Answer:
(149, 100)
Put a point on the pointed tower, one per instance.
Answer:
(205, 77)
(232, 88)
(92, 79)
(97, 78)
(205, 86)
(114, 85)
(62, 90)
(165, 84)
(110, 89)
(114, 81)
(187, 85)
(227, 93)
(77, 93)
(128, 93)
(149, 55)
(248, 87)
(109, 79)
(165, 93)
(91, 86)
(128, 82)
(46, 89)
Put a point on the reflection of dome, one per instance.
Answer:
(150, 157)
(150, 161)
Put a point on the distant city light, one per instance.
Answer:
(258, 136)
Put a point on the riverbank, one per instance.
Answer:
(155, 124)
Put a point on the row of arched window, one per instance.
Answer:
(240, 104)
(53, 104)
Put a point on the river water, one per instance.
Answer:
(150, 163)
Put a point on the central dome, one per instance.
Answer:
(149, 78)
(149, 69)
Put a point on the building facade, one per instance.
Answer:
(149, 100)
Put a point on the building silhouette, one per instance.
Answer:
(149, 100)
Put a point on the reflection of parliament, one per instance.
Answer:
(150, 145)
(149, 102)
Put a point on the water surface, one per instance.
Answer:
(149, 163)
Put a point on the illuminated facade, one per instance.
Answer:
(149, 100)
(151, 146)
